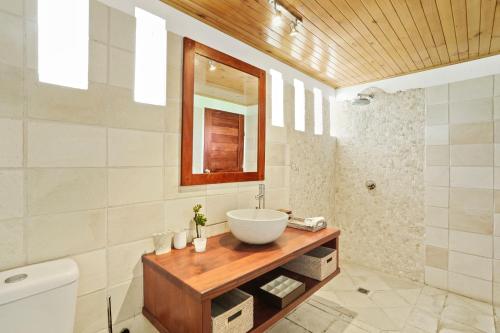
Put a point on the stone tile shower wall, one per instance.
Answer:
(90, 174)
(312, 162)
(384, 142)
(462, 195)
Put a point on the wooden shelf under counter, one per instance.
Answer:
(179, 286)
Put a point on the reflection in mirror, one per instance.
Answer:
(225, 118)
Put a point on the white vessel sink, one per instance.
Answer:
(257, 226)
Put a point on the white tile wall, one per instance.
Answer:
(471, 177)
(121, 64)
(134, 185)
(471, 287)
(92, 269)
(471, 243)
(54, 190)
(471, 265)
(436, 114)
(76, 233)
(437, 176)
(11, 143)
(471, 89)
(98, 62)
(436, 196)
(11, 194)
(62, 145)
(468, 222)
(436, 135)
(122, 30)
(13, 7)
(90, 174)
(134, 222)
(12, 251)
(471, 155)
(436, 216)
(436, 277)
(134, 148)
(91, 312)
(436, 95)
(11, 39)
(471, 111)
(124, 260)
(437, 155)
(11, 91)
(436, 237)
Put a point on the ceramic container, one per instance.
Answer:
(180, 239)
(200, 244)
(163, 242)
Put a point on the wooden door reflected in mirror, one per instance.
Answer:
(223, 125)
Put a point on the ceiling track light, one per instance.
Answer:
(293, 28)
(279, 12)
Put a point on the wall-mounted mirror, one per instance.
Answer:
(223, 118)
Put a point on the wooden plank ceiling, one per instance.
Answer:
(347, 42)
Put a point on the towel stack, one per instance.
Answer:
(310, 224)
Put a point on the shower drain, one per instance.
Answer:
(363, 291)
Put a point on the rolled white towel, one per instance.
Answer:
(314, 221)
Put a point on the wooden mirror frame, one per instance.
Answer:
(191, 48)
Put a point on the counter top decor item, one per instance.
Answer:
(199, 219)
(183, 279)
(180, 239)
(163, 242)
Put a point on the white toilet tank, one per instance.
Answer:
(39, 298)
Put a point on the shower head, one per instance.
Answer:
(362, 99)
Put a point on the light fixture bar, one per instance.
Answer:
(279, 11)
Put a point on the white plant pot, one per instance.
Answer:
(200, 244)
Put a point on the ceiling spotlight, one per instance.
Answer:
(211, 66)
(293, 28)
(277, 12)
(277, 17)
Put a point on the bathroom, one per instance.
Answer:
(380, 118)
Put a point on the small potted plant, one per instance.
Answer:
(200, 243)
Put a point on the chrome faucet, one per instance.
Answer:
(261, 197)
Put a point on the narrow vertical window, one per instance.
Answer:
(63, 42)
(300, 106)
(318, 111)
(331, 101)
(150, 83)
(277, 118)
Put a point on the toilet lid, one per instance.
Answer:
(30, 280)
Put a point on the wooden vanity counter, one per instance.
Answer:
(180, 285)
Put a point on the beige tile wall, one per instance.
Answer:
(384, 142)
(89, 174)
(461, 177)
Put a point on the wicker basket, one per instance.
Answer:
(316, 264)
(232, 312)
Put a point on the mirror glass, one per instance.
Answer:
(225, 118)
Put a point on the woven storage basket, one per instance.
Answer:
(232, 312)
(316, 264)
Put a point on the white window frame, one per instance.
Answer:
(277, 113)
(331, 102)
(318, 111)
(63, 42)
(300, 105)
(150, 80)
